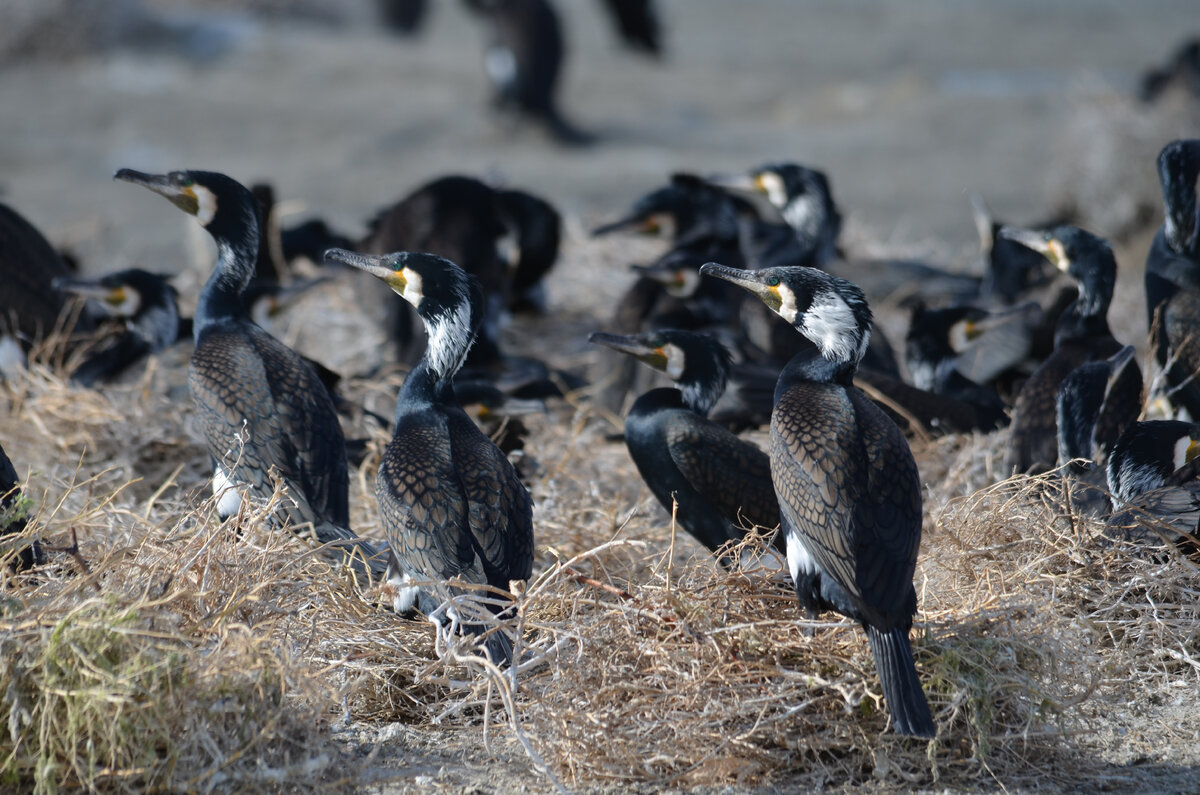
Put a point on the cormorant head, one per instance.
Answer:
(802, 197)
(697, 363)
(538, 228)
(222, 205)
(447, 298)
(679, 275)
(935, 335)
(1148, 453)
(830, 311)
(688, 209)
(123, 293)
(1178, 169)
(1085, 257)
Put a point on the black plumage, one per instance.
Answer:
(14, 517)
(1181, 68)
(537, 228)
(1081, 335)
(452, 504)
(1173, 275)
(524, 61)
(1097, 401)
(849, 491)
(1154, 471)
(638, 24)
(721, 483)
(146, 308)
(459, 218)
(30, 306)
(262, 410)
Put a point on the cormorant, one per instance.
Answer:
(452, 504)
(720, 482)
(1081, 335)
(30, 306)
(14, 516)
(537, 227)
(1096, 402)
(1173, 275)
(524, 62)
(849, 490)
(261, 407)
(455, 217)
(1153, 470)
(144, 303)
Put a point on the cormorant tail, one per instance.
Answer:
(901, 687)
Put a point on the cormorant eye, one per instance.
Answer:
(1047, 236)
(773, 281)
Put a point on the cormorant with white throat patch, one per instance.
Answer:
(260, 405)
(849, 491)
(453, 506)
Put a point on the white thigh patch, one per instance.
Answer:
(229, 499)
(799, 561)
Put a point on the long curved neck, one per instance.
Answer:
(450, 339)
(701, 395)
(221, 298)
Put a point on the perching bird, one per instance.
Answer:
(849, 491)
(720, 483)
(1173, 275)
(1082, 335)
(14, 517)
(537, 229)
(147, 308)
(262, 410)
(452, 504)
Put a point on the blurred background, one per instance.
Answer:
(906, 106)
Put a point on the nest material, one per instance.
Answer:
(172, 651)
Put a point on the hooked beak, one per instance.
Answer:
(632, 345)
(82, 287)
(387, 267)
(751, 281)
(183, 197)
(1041, 242)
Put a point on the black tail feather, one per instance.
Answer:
(901, 687)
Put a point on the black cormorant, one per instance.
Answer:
(721, 483)
(1154, 469)
(147, 308)
(14, 517)
(30, 306)
(1173, 275)
(261, 408)
(1081, 335)
(452, 504)
(524, 62)
(1096, 402)
(849, 490)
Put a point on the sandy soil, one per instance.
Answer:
(907, 106)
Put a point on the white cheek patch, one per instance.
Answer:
(787, 304)
(675, 361)
(412, 287)
(206, 204)
(131, 302)
(772, 185)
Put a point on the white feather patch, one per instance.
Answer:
(206, 204)
(787, 304)
(675, 361)
(799, 561)
(449, 340)
(1180, 456)
(830, 324)
(772, 185)
(412, 287)
(229, 498)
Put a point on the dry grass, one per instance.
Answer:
(176, 652)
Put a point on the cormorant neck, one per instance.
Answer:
(421, 390)
(701, 395)
(450, 338)
(221, 298)
(810, 365)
